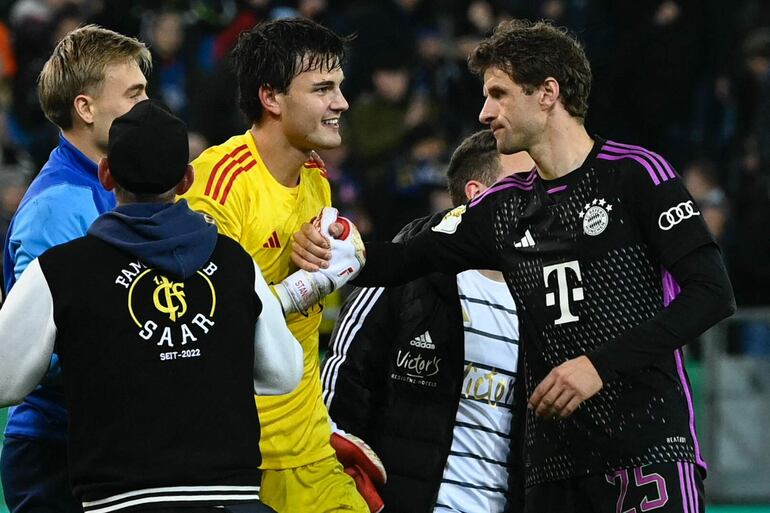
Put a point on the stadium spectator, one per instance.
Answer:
(379, 120)
(12, 188)
(700, 179)
(377, 126)
(175, 78)
(171, 72)
(416, 173)
(664, 35)
(385, 30)
(31, 23)
(8, 65)
(757, 56)
(13, 185)
(250, 13)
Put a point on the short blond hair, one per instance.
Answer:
(78, 64)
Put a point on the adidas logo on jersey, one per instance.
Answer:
(526, 242)
(272, 242)
(423, 341)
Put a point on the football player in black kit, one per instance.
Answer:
(612, 269)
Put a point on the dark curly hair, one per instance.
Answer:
(529, 52)
(272, 54)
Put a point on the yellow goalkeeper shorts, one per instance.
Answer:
(321, 487)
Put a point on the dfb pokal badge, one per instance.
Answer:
(450, 221)
(595, 216)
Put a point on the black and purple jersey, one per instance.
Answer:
(586, 259)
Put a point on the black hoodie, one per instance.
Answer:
(169, 237)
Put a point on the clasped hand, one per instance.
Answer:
(311, 249)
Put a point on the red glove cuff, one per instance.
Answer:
(366, 488)
(351, 451)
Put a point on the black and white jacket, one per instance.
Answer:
(159, 372)
(393, 377)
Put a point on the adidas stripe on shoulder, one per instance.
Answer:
(658, 168)
(226, 171)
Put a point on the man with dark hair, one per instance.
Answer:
(93, 76)
(612, 270)
(477, 160)
(164, 330)
(425, 373)
(259, 187)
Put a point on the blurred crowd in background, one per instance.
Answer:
(689, 79)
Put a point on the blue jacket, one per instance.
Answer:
(60, 205)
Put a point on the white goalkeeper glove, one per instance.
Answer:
(302, 289)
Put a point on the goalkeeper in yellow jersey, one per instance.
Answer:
(260, 187)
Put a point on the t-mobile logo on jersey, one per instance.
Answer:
(564, 289)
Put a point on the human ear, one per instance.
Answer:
(549, 92)
(473, 188)
(83, 108)
(187, 181)
(105, 177)
(269, 99)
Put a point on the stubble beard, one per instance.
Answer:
(508, 146)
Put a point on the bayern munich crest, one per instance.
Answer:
(595, 216)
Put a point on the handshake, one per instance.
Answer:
(333, 235)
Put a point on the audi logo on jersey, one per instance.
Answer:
(675, 215)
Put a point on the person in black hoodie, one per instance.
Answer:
(164, 330)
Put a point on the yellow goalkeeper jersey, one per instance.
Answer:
(233, 186)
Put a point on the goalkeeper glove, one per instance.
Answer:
(302, 289)
(363, 465)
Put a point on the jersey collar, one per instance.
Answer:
(553, 191)
(77, 157)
